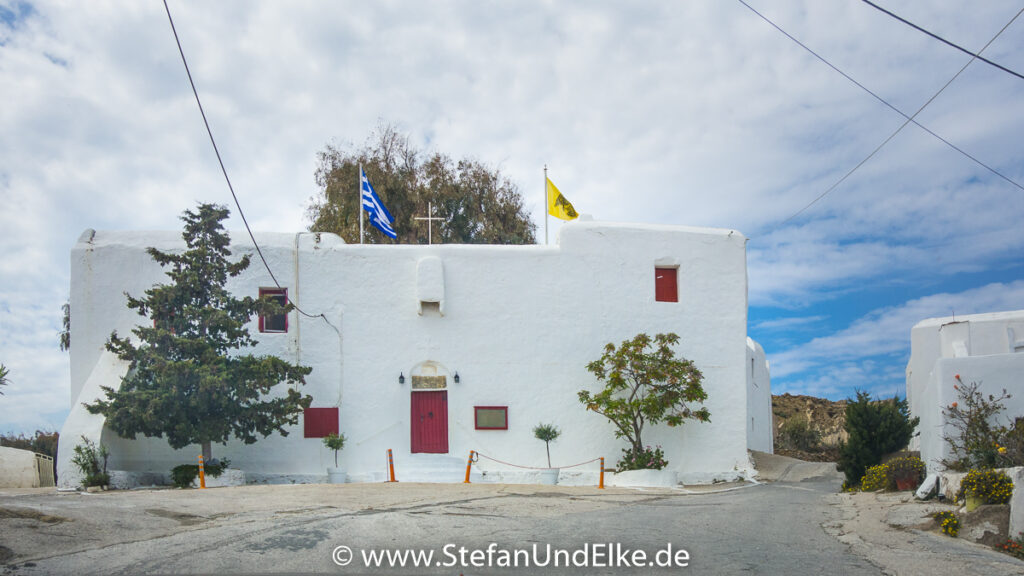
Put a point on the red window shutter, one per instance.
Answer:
(665, 287)
(320, 422)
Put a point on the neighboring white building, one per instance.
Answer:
(433, 351)
(983, 348)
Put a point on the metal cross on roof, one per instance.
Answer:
(430, 222)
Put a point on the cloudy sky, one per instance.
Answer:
(697, 113)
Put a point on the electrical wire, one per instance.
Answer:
(943, 40)
(909, 119)
(225, 172)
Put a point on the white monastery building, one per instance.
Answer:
(436, 350)
(983, 348)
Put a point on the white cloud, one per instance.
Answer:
(837, 361)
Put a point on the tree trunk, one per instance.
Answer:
(207, 452)
(547, 447)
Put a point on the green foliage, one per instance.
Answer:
(91, 461)
(188, 381)
(645, 386)
(1013, 546)
(874, 430)
(548, 433)
(875, 478)
(975, 442)
(798, 434)
(335, 442)
(3, 377)
(949, 522)
(992, 486)
(64, 336)
(644, 459)
(478, 205)
(184, 474)
(43, 442)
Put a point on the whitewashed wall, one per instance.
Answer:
(520, 323)
(760, 419)
(980, 348)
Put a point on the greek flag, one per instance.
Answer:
(379, 215)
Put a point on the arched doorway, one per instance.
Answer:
(429, 408)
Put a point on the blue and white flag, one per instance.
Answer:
(379, 215)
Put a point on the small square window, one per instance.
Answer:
(274, 322)
(491, 417)
(665, 287)
(320, 422)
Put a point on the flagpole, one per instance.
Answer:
(360, 203)
(545, 204)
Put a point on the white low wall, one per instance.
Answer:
(18, 468)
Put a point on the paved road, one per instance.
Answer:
(763, 529)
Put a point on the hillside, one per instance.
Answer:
(825, 416)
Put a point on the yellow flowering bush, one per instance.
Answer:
(992, 486)
(876, 478)
(949, 523)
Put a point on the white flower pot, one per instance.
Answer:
(549, 476)
(336, 476)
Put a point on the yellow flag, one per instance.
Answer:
(558, 206)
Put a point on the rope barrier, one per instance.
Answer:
(534, 467)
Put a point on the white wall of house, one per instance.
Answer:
(18, 468)
(983, 348)
(519, 325)
(760, 419)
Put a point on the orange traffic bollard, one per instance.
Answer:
(391, 466)
(202, 473)
(600, 483)
(469, 465)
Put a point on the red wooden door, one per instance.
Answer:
(430, 422)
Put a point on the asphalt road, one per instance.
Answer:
(760, 529)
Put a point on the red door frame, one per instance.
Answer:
(429, 422)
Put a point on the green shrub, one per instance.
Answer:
(876, 478)
(87, 459)
(976, 440)
(992, 486)
(184, 474)
(874, 429)
(798, 434)
(645, 459)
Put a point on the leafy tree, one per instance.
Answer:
(188, 379)
(644, 383)
(3, 377)
(875, 429)
(65, 334)
(478, 205)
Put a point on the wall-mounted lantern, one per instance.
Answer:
(456, 377)
(401, 377)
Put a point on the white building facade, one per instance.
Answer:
(983, 348)
(434, 351)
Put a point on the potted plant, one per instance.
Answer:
(548, 433)
(985, 487)
(905, 472)
(335, 442)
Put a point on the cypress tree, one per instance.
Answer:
(188, 379)
(875, 429)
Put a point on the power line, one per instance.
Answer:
(224, 170)
(943, 40)
(904, 125)
(909, 119)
